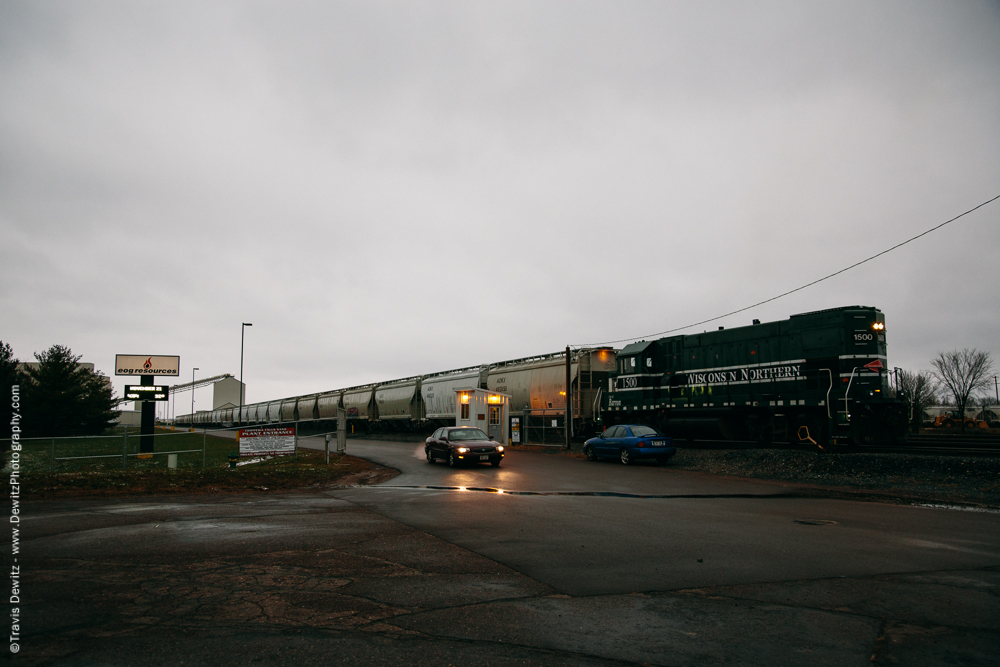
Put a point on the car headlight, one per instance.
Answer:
(462, 450)
(499, 448)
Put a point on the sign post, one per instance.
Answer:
(341, 430)
(146, 366)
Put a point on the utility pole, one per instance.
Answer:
(239, 418)
(192, 397)
(569, 399)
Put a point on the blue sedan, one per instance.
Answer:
(629, 443)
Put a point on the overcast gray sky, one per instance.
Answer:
(392, 188)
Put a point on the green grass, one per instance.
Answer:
(36, 454)
(106, 476)
(281, 473)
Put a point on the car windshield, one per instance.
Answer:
(639, 431)
(467, 434)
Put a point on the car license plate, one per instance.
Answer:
(484, 457)
(659, 443)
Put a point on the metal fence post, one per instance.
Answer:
(341, 430)
(124, 447)
(204, 439)
(52, 461)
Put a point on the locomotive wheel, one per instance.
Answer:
(760, 427)
(895, 424)
(863, 432)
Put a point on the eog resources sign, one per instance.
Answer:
(147, 364)
(267, 441)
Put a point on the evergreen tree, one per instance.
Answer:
(8, 378)
(61, 398)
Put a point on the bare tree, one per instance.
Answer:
(961, 373)
(919, 390)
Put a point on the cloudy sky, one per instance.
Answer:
(393, 188)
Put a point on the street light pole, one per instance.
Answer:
(192, 396)
(242, 329)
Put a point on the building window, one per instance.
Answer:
(465, 411)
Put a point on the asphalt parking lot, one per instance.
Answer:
(676, 569)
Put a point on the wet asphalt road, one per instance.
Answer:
(677, 569)
(690, 531)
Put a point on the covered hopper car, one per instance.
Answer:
(422, 403)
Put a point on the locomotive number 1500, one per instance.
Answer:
(860, 337)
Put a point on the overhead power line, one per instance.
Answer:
(797, 289)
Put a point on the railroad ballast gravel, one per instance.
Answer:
(905, 477)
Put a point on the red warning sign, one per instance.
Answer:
(875, 365)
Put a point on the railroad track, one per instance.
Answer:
(951, 445)
(979, 444)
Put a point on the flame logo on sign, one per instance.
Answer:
(148, 364)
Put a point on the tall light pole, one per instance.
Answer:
(192, 396)
(242, 329)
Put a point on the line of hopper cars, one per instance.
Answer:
(816, 377)
(536, 385)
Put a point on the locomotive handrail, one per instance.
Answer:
(847, 392)
(828, 390)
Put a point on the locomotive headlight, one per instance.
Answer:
(878, 326)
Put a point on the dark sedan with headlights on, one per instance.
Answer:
(630, 443)
(462, 444)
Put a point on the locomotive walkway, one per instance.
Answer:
(712, 572)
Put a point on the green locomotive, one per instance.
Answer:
(816, 377)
